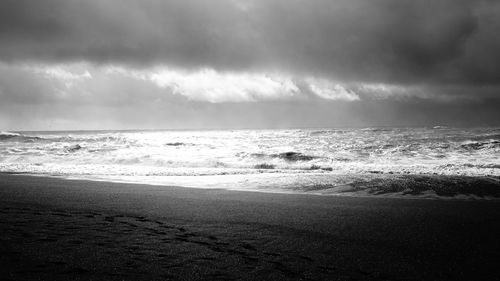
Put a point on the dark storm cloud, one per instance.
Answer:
(387, 41)
(108, 64)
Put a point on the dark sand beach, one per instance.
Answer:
(55, 229)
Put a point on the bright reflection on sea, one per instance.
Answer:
(299, 160)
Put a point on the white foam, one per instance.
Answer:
(317, 156)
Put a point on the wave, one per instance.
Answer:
(294, 156)
(178, 144)
(89, 139)
(327, 132)
(320, 132)
(264, 166)
(6, 135)
(486, 137)
(377, 129)
(403, 186)
(470, 165)
(65, 138)
(16, 136)
(290, 156)
(478, 145)
(73, 148)
(423, 185)
(278, 155)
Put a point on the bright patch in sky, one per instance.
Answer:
(330, 90)
(211, 86)
(66, 74)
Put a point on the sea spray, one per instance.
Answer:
(299, 160)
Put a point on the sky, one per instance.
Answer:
(185, 64)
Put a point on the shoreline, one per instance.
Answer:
(73, 229)
(354, 189)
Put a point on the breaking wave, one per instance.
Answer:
(428, 186)
(476, 145)
(301, 160)
(16, 137)
(288, 156)
(178, 144)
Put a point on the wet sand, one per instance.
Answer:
(55, 229)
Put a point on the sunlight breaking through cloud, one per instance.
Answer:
(211, 86)
(329, 90)
(68, 75)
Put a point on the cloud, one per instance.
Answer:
(383, 41)
(329, 90)
(60, 74)
(209, 85)
(234, 63)
(83, 83)
(77, 81)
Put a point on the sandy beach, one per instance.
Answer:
(56, 229)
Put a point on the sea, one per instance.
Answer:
(419, 162)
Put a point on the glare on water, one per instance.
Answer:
(253, 159)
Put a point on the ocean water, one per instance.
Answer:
(426, 162)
